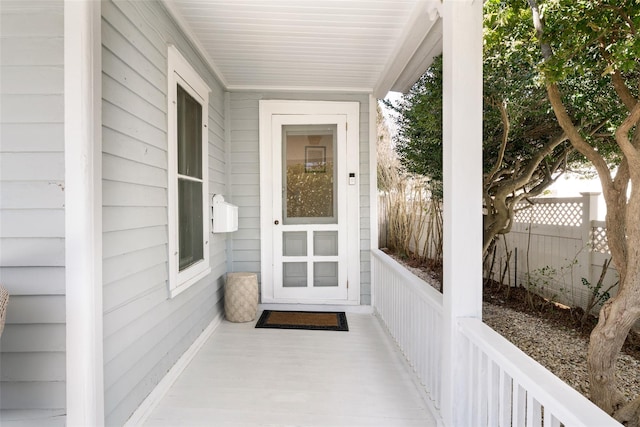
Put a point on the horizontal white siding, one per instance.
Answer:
(32, 246)
(245, 179)
(144, 331)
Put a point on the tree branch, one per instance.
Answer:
(574, 136)
(524, 177)
(628, 149)
(619, 85)
(547, 53)
(559, 109)
(504, 117)
(624, 16)
(622, 90)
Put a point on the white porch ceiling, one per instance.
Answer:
(318, 45)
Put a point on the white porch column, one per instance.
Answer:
(83, 212)
(462, 163)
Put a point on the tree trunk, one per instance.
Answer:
(616, 318)
(501, 198)
(619, 314)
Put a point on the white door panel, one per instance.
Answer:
(309, 204)
(309, 207)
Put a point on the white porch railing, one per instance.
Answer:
(508, 388)
(412, 312)
(505, 387)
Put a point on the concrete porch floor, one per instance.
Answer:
(244, 376)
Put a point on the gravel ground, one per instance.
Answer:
(562, 351)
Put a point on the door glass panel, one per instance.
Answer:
(294, 243)
(325, 274)
(325, 243)
(294, 274)
(309, 174)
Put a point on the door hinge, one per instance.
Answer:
(347, 284)
(346, 126)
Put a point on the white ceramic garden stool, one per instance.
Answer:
(241, 297)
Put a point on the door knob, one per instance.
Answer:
(276, 222)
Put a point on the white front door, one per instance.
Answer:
(312, 213)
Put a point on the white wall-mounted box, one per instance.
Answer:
(224, 216)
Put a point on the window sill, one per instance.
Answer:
(173, 292)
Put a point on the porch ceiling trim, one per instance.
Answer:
(415, 38)
(420, 43)
(191, 35)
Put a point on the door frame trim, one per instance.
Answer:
(339, 293)
(268, 108)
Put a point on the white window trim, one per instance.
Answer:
(181, 72)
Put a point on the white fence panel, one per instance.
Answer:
(599, 254)
(553, 245)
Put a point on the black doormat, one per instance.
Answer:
(312, 320)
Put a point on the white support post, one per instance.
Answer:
(590, 206)
(462, 163)
(83, 212)
(227, 164)
(585, 256)
(373, 187)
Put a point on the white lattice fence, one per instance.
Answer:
(567, 212)
(599, 241)
(563, 212)
(554, 244)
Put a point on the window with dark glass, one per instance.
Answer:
(190, 236)
(187, 185)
